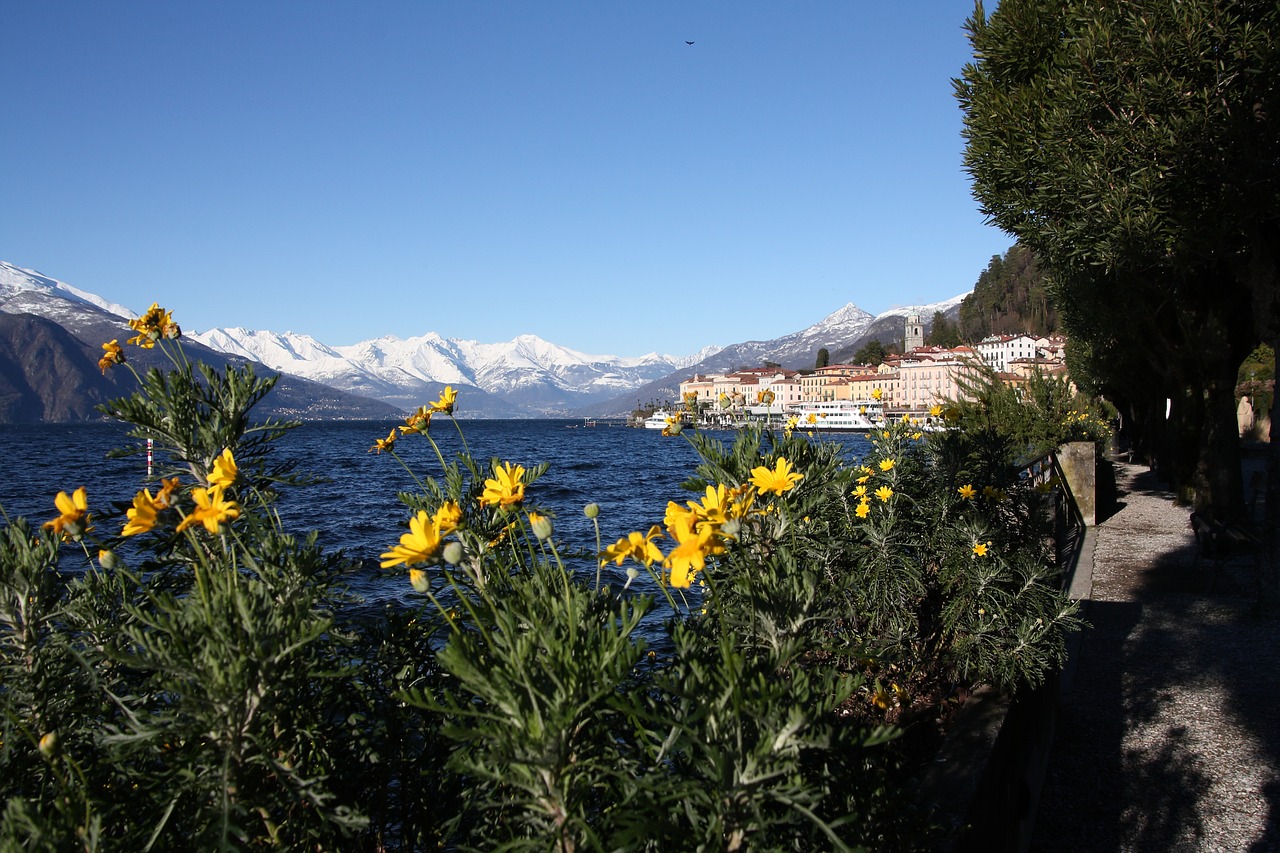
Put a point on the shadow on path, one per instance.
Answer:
(1170, 737)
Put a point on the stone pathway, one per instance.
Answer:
(1169, 736)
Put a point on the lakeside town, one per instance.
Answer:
(915, 382)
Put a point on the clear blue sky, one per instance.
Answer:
(573, 170)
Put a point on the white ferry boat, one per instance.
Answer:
(849, 415)
(661, 419)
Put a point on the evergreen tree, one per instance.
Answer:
(942, 333)
(1010, 297)
(872, 352)
(1132, 145)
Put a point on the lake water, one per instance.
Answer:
(630, 473)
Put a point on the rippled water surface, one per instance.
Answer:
(630, 473)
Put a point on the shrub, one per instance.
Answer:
(205, 682)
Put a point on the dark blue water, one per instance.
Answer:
(630, 473)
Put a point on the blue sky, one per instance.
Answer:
(572, 170)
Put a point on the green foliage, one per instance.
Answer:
(539, 712)
(1130, 145)
(872, 352)
(1255, 373)
(823, 359)
(1011, 297)
(942, 333)
(193, 413)
(207, 684)
(1019, 423)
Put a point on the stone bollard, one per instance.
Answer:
(1078, 460)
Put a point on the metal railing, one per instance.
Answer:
(1068, 521)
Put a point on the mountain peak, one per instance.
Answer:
(850, 313)
(15, 282)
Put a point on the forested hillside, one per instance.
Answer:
(1010, 297)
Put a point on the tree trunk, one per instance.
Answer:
(1180, 444)
(1218, 481)
(1271, 523)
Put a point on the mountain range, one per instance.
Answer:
(525, 377)
(51, 337)
(520, 378)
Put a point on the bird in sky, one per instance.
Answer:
(688, 42)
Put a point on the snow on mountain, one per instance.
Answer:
(926, 312)
(541, 376)
(796, 350)
(24, 291)
(524, 376)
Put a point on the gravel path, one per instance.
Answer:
(1169, 738)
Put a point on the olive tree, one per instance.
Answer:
(1133, 145)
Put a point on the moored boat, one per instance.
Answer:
(661, 419)
(848, 415)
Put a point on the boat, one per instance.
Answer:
(661, 419)
(658, 420)
(847, 415)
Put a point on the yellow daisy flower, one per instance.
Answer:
(505, 488)
(387, 443)
(778, 480)
(447, 517)
(638, 546)
(142, 516)
(224, 470)
(448, 398)
(211, 510)
(73, 514)
(114, 355)
(421, 544)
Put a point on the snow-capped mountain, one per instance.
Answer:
(540, 376)
(51, 337)
(925, 312)
(524, 377)
(24, 291)
(796, 350)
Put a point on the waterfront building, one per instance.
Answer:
(743, 387)
(818, 385)
(999, 351)
(928, 376)
(914, 382)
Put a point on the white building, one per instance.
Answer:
(999, 351)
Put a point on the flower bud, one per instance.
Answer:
(591, 510)
(419, 580)
(49, 745)
(453, 553)
(541, 526)
(108, 560)
(632, 574)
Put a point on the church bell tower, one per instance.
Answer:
(914, 334)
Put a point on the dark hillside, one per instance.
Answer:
(46, 374)
(49, 375)
(1009, 297)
